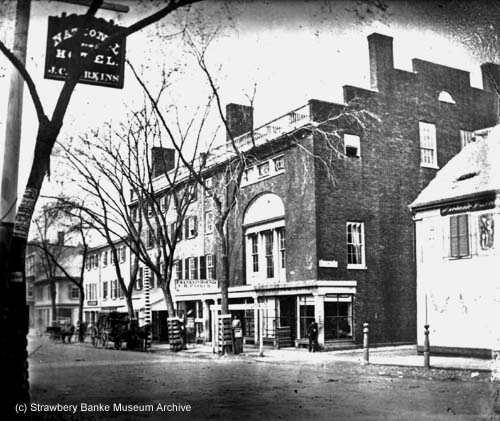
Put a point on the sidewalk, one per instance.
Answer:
(395, 356)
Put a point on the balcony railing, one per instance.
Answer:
(280, 126)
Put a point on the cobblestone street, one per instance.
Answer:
(243, 387)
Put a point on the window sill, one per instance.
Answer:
(357, 267)
(430, 166)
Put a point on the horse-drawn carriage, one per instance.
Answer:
(117, 327)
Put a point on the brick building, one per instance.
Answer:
(322, 227)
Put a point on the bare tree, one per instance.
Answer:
(57, 256)
(118, 171)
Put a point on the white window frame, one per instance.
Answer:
(428, 143)
(209, 222)
(362, 244)
(352, 141)
(279, 164)
(209, 266)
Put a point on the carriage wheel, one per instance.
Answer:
(104, 340)
(94, 336)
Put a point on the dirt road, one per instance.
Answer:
(106, 384)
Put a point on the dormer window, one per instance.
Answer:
(446, 97)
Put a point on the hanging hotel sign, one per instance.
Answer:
(469, 206)
(107, 68)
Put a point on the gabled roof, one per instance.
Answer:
(473, 171)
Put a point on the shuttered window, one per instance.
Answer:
(459, 236)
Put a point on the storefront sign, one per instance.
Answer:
(470, 206)
(199, 284)
(107, 68)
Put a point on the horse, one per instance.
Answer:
(67, 332)
(135, 336)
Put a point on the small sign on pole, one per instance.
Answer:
(107, 68)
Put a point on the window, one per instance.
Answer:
(29, 291)
(30, 265)
(138, 284)
(190, 227)
(111, 257)
(249, 175)
(74, 293)
(133, 214)
(352, 145)
(105, 258)
(466, 137)
(178, 269)
(123, 254)
(121, 294)
(211, 268)
(105, 289)
(263, 169)
(446, 97)
(193, 192)
(193, 268)
(282, 249)
(163, 203)
(150, 241)
(255, 252)
(459, 236)
(209, 182)
(268, 245)
(355, 245)
(149, 208)
(114, 290)
(209, 222)
(428, 156)
(279, 163)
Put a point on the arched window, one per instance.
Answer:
(446, 97)
(264, 227)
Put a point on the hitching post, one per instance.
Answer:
(366, 351)
(427, 347)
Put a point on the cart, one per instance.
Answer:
(117, 327)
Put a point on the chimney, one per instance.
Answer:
(239, 119)
(60, 237)
(163, 160)
(381, 59)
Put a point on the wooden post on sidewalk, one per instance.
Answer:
(261, 329)
(366, 350)
(427, 347)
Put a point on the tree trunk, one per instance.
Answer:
(53, 294)
(81, 336)
(130, 305)
(165, 287)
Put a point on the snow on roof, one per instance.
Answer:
(474, 170)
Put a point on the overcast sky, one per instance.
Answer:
(291, 51)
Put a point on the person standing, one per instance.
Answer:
(237, 335)
(312, 333)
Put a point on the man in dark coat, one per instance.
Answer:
(312, 333)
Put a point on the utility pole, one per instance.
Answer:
(14, 318)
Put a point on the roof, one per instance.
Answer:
(473, 171)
